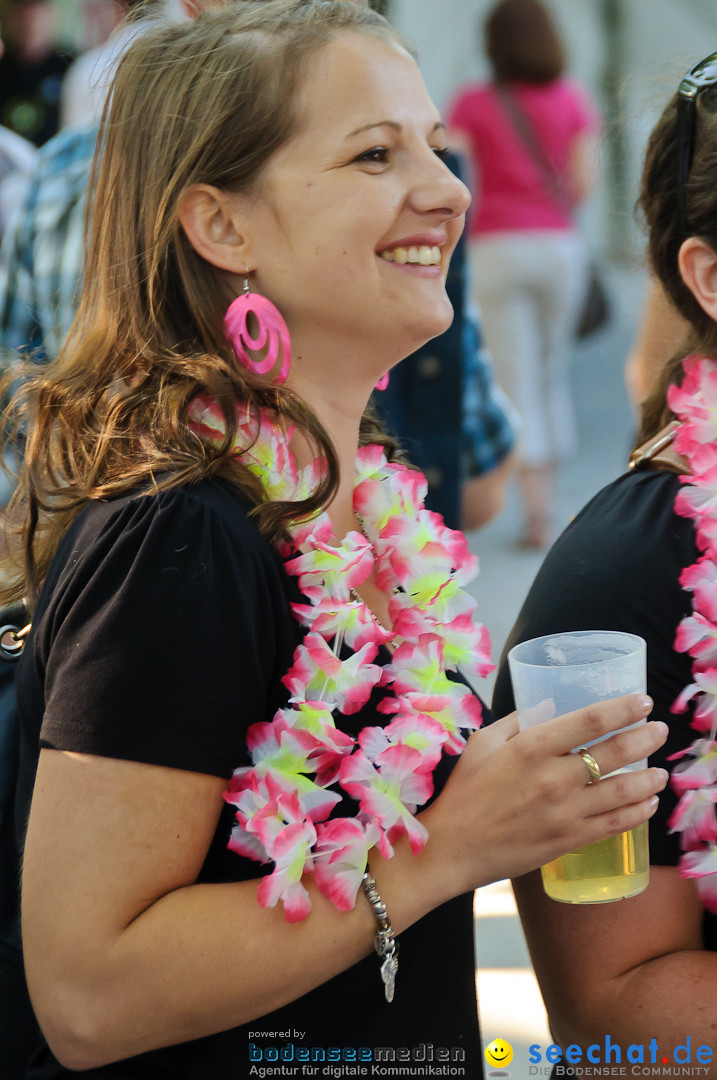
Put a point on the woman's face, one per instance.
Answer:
(356, 217)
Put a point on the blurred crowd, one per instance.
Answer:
(46, 86)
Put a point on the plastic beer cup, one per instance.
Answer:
(556, 674)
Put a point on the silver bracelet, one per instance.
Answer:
(385, 944)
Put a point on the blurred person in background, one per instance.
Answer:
(17, 157)
(528, 131)
(99, 19)
(84, 87)
(42, 255)
(31, 71)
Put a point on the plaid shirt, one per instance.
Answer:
(490, 423)
(42, 253)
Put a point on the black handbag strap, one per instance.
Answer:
(525, 131)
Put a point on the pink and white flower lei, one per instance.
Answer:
(284, 799)
(695, 778)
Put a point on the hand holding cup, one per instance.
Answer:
(517, 800)
(555, 674)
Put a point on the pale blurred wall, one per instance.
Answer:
(660, 40)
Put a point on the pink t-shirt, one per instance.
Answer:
(513, 193)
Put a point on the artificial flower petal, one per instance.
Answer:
(318, 673)
(694, 817)
(284, 800)
(695, 778)
(340, 857)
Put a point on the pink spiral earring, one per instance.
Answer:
(382, 382)
(272, 332)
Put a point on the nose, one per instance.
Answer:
(440, 191)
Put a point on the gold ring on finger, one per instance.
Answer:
(590, 764)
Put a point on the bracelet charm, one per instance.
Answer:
(385, 944)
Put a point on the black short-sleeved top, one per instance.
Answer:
(162, 632)
(617, 567)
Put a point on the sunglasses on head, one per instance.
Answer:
(701, 77)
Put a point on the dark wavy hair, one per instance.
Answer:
(203, 102)
(659, 206)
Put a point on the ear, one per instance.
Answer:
(191, 8)
(697, 261)
(212, 223)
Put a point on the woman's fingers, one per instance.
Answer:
(517, 800)
(624, 789)
(622, 819)
(493, 735)
(621, 750)
(564, 733)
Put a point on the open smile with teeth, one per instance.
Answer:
(420, 256)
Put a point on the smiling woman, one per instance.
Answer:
(361, 178)
(247, 745)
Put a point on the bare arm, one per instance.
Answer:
(114, 924)
(661, 333)
(482, 497)
(635, 969)
(582, 166)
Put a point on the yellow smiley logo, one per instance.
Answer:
(499, 1053)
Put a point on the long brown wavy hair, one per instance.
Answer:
(202, 102)
(658, 204)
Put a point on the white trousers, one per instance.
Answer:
(530, 288)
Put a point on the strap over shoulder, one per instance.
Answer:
(659, 453)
